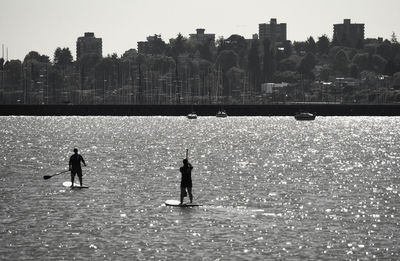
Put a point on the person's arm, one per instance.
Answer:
(70, 163)
(83, 161)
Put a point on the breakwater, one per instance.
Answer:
(201, 110)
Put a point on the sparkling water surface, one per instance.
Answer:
(272, 188)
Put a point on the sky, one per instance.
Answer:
(44, 25)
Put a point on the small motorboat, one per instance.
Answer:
(304, 116)
(221, 114)
(192, 115)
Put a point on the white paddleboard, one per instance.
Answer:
(177, 203)
(76, 185)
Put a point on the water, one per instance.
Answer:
(272, 188)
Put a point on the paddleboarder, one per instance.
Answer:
(75, 166)
(186, 181)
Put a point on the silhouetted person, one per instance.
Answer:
(186, 181)
(75, 166)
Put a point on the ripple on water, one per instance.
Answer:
(272, 188)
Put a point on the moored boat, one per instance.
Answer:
(222, 114)
(304, 116)
(192, 115)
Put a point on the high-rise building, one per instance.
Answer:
(348, 34)
(273, 31)
(201, 36)
(88, 44)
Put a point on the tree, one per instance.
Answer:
(235, 76)
(62, 57)
(307, 63)
(14, 73)
(33, 55)
(299, 47)
(141, 61)
(227, 59)
(55, 83)
(238, 44)
(129, 55)
(62, 61)
(385, 50)
(391, 67)
(396, 54)
(370, 79)
(178, 46)
(35, 65)
(323, 44)
(286, 76)
(360, 44)
(341, 63)
(394, 38)
(379, 63)
(396, 80)
(370, 49)
(254, 65)
(157, 45)
(161, 63)
(354, 71)
(287, 45)
(105, 76)
(361, 60)
(288, 64)
(206, 50)
(325, 73)
(220, 44)
(269, 63)
(310, 45)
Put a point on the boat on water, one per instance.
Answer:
(222, 114)
(192, 115)
(304, 116)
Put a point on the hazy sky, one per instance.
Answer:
(44, 25)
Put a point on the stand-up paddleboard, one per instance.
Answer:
(177, 203)
(76, 185)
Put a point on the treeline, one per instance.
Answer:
(190, 71)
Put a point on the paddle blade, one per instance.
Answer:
(47, 177)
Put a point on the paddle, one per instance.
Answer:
(49, 176)
(187, 154)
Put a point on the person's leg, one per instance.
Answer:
(190, 194)
(72, 178)
(182, 194)
(80, 177)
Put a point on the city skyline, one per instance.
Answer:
(28, 26)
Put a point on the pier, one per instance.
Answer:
(201, 110)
